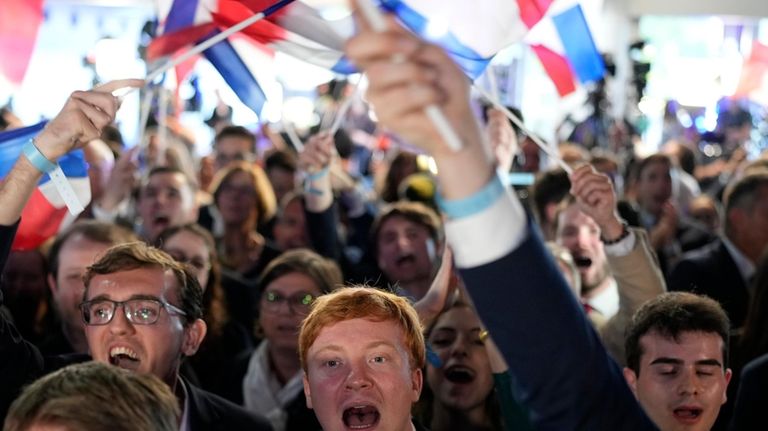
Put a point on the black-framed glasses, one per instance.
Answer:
(299, 303)
(141, 311)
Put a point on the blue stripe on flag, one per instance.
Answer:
(12, 142)
(468, 59)
(231, 67)
(579, 46)
(182, 14)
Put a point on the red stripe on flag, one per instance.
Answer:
(231, 13)
(532, 11)
(257, 6)
(558, 69)
(39, 221)
(19, 22)
(753, 71)
(170, 43)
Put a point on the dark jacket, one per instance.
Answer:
(711, 271)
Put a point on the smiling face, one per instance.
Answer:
(166, 200)
(148, 349)
(281, 321)
(359, 376)
(681, 383)
(465, 380)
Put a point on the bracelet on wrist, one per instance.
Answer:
(473, 204)
(623, 235)
(314, 176)
(36, 158)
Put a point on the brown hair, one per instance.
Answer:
(362, 302)
(92, 397)
(415, 212)
(92, 230)
(324, 272)
(744, 193)
(214, 303)
(135, 255)
(266, 203)
(672, 314)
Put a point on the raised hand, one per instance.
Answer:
(81, 119)
(596, 198)
(503, 138)
(317, 154)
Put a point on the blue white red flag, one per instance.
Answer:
(564, 44)
(190, 21)
(19, 23)
(46, 213)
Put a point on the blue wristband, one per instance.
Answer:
(473, 204)
(37, 158)
(317, 175)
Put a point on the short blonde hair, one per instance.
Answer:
(93, 396)
(362, 302)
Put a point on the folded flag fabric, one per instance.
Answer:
(471, 33)
(46, 213)
(753, 71)
(190, 21)
(566, 49)
(296, 29)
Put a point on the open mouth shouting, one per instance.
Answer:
(583, 262)
(124, 357)
(459, 374)
(361, 417)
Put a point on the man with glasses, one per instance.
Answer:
(142, 309)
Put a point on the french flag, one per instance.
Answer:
(46, 213)
(563, 43)
(471, 33)
(295, 29)
(190, 21)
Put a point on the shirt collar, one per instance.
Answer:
(185, 412)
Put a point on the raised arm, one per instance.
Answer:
(562, 372)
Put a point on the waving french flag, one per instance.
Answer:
(46, 213)
(564, 44)
(190, 21)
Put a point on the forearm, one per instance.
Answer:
(16, 190)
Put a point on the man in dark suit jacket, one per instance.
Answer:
(142, 309)
(721, 270)
(749, 411)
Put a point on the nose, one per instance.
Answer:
(689, 383)
(358, 377)
(403, 242)
(459, 346)
(120, 324)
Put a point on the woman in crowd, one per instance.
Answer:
(225, 339)
(245, 203)
(268, 381)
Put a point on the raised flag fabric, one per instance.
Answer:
(19, 22)
(296, 29)
(46, 213)
(471, 33)
(566, 49)
(190, 21)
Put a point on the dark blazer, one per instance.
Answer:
(752, 398)
(711, 271)
(561, 371)
(208, 411)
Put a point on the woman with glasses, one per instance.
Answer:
(193, 245)
(269, 380)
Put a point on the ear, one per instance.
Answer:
(307, 391)
(417, 380)
(193, 336)
(631, 379)
(728, 375)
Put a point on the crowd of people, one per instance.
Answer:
(342, 285)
